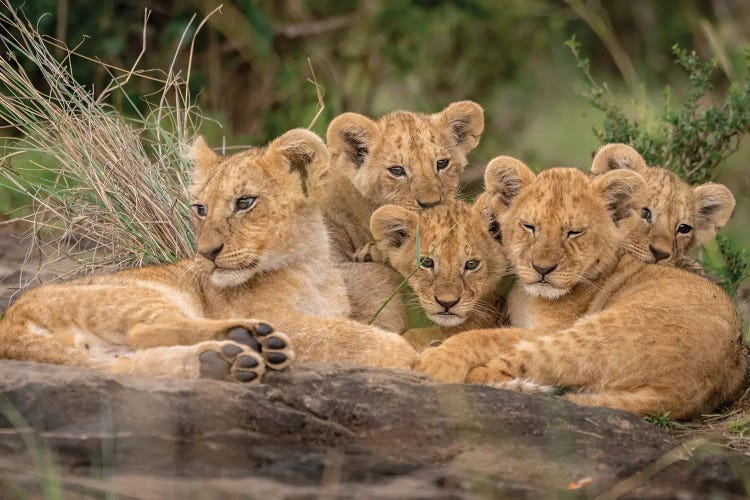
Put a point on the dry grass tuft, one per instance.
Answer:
(109, 191)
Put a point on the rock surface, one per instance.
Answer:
(322, 430)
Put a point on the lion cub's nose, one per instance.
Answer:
(544, 271)
(658, 253)
(213, 253)
(447, 304)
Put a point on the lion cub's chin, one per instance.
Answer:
(545, 290)
(445, 320)
(227, 278)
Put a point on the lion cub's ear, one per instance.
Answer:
(487, 216)
(305, 154)
(504, 178)
(714, 204)
(623, 191)
(465, 120)
(351, 134)
(615, 157)
(205, 161)
(391, 225)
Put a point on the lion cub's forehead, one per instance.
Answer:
(559, 194)
(409, 133)
(667, 193)
(452, 228)
(244, 173)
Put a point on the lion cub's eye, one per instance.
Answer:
(426, 263)
(684, 228)
(397, 171)
(531, 228)
(442, 164)
(472, 265)
(575, 233)
(646, 214)
(245, 203)
(200, 211)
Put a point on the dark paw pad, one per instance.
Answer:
(239, 334)
(213, 366)
(245, 376)
(231, 350)
(276, 358)
(275, 343)
(243, 336)
(247, 362)
(263, 329)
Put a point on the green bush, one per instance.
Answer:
(692, 139)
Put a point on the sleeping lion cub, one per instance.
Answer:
(263, 259)
(613, 329)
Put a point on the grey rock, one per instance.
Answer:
(326, 430)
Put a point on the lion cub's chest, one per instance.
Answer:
(541, 314)
(304, 289)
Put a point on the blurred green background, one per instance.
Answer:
(250, 64)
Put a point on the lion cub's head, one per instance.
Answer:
(413, 160)
(560, 228)
(459, 261)
(675, 217)
(251, 208)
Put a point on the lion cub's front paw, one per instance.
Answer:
(368, 253)
(478, 375)
(232, 361)
(275, 347)
(442, 365)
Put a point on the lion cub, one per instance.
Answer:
(409, 159)
(617, 331)
(675, 217)
(460, 265)
(263, 253)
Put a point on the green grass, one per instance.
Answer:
(662, 420)
(117, 184)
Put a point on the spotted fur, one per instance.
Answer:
(362, 152)
(675, 217)
(451, 236)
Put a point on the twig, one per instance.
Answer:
(110, 88)
(682, 452)
(318, 93)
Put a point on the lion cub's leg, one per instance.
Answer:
(274, 346)
(642, 402)
(216, 360)
(105, 319)
(17, 343)
(317, 338)
(458, 355)
(422, 338)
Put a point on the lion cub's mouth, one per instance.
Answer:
(446, 318)
(544, 289)
(242, 267)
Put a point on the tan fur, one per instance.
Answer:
(450, 235)
(617, 331)
(670, 203)
(272, 262)
(362, 151)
